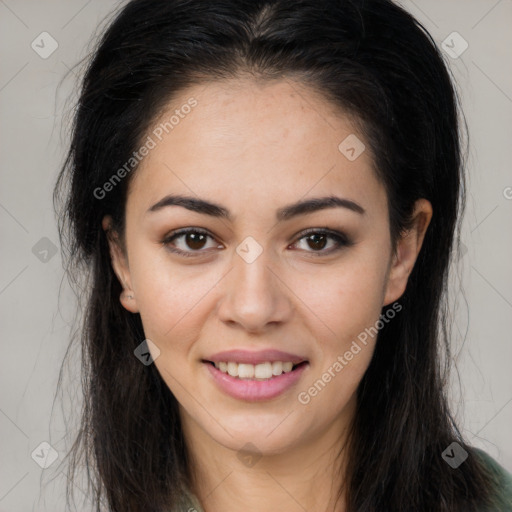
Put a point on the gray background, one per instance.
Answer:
(35, 114)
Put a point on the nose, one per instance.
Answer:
(254, 295)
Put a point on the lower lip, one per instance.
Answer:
(255, 390)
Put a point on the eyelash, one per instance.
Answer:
(341, 239)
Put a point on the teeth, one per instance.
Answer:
(262, 371)
(277, 368)
(246, 371)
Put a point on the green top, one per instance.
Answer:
(503, 499)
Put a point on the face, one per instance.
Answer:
(254, 275)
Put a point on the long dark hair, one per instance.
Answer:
(381, 66)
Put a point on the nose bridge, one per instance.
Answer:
(254, 295)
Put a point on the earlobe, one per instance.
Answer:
(407, 250)
(120, 266)
(127, 299)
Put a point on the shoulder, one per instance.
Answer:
(503, 479)
(188, 503)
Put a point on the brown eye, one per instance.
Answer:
(317, 240)
(190, 241)
(195, 240)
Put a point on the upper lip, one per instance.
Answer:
(248, 357)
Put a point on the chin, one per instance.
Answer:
(256, 444)
(251, 437)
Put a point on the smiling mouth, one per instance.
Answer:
(259, 372)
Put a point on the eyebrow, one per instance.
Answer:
(287, 212)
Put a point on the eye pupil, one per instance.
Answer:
(193, 238)
(314, 238)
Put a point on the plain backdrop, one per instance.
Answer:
(37, 307)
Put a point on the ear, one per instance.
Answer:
(407, 250)
(120, 265)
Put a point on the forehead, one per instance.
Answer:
(265, 140)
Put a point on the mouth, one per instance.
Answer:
(255, 383)
(259, 372)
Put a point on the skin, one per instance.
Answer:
(254, 148)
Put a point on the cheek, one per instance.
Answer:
(168, 295)
(344, 311)
(344, 307)
(346, 298)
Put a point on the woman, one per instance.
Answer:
(265, 196)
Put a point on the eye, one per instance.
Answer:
(194, 238)
(317, 239)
